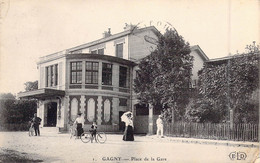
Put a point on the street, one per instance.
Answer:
(53, 147)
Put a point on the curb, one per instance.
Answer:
(209, 142)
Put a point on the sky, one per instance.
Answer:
(30, 29)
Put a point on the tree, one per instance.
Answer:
(13, 111)
(233, 83)
(30, 86)
(7, 96)
(164, 76)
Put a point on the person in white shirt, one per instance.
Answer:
(79, 122)
(159, 123)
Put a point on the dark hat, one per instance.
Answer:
(79, 113)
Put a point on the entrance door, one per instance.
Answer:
(121, 124)
(51, 114)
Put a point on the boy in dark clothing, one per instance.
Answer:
(93, 131)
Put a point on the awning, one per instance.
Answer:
(42, 94)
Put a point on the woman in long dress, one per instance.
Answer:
(129, 128)
(80, 122)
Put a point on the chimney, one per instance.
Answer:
(128, 27)
(107, 33)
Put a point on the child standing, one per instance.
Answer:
(93, 131)
(31, 129)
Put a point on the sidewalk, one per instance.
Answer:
(205, 141)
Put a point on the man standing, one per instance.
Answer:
(36, 122)
(159, 123)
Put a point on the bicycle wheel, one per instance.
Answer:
(85, 137)
(30, 132)
(101, 137)
(71, 133)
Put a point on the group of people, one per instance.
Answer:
(129, 127)
(79, 122)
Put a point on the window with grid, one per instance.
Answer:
(122, 76)
(76, 72)
(91, 73)
(119, 50)
(106, 74)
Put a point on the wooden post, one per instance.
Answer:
(231, 113)
(150, 120)
(172, 116)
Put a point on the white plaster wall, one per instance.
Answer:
(42, 75)
(197, 64)
(139, 48)
(110, 48)
(86, 50)
(126, 48)
(40, 112)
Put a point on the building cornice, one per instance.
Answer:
(100, 57)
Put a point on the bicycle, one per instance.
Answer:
(31, 131)
(100, 137)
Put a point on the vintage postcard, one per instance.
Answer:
(129, 81)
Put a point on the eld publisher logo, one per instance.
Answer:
(237, 155)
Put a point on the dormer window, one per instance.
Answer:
(93, 52)
(119, 50)
(101, 51)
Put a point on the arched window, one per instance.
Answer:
(74, 109)
(91, 110)
(107, 107)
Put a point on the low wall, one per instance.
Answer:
(14, 127)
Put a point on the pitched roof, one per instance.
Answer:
(112, 37)
(200, 52)
(228, 57)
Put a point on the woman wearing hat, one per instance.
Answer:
(80, 122)
(129, 131)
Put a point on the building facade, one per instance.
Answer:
(96, 79)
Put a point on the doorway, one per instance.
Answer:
(121, 124)
(51, 114)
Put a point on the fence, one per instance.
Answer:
(240, 132)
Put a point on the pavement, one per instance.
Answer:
(205, 141)
(54, 147)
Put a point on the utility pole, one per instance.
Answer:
(231, 112)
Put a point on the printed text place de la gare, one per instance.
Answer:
(133, 159)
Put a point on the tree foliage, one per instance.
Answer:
(13, 111)
(164, 76)
(30, 86)
(232, 82)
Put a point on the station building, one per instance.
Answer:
(96, 79)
